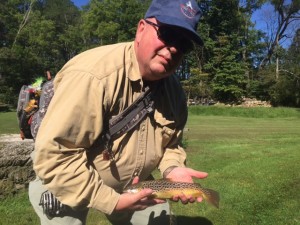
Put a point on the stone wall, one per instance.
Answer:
(252, 102)
(15, 164)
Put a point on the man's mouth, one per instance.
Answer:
(166, 61)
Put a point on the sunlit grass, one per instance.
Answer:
(252, 162)
(8, 123)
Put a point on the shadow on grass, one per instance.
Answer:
(185, 220)
(163, 218)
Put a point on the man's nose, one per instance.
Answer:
(173, 49)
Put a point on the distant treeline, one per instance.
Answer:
(236, 60)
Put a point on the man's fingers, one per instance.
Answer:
(199, 199)
(186, 199)
(143, 200)
(144, 193)
(135, 180)
(152, 201)
(197, 174)
(137, 201)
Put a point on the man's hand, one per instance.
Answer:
(138, 201)
(181, 174)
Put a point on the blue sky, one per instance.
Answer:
(80, 3)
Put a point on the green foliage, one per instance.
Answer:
(283, 89)
(233, 48)
(46, 34)
(107, 21)
(37, 39)
(289, 78)
(41, 35)
(223, 49)
(196, 87)
(228, 73)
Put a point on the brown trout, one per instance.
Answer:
(166, 189)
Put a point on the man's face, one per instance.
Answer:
(156, 59)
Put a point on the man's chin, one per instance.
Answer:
(163, 72)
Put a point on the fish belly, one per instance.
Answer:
(172, 193)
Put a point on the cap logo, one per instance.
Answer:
(188, 10)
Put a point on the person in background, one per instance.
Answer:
(99, 84)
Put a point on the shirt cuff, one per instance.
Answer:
(106, 200)
(170, 163)
(167, 171)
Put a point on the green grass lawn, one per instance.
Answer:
(253, 161)
(8, 123)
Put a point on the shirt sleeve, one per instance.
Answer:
(174, 153)
(73, 122)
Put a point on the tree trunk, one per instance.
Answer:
(24, 22)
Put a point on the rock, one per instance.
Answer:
(253, 102)
(15, 164)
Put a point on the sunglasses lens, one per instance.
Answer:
(172, 37)
(166, 35)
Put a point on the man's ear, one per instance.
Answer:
(140, 30)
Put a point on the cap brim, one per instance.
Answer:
(190, 32)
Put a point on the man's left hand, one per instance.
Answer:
(182, 174)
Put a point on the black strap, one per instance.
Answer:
(129, 118)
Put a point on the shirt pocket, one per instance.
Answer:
(167, 134)
(165, 127)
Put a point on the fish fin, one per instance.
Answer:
(212, 197)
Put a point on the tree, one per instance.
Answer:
(25, 19)
(284, 90)
(250, 41)
(67, 20)
(286, 15)
(290, 70)
(112, 21)
(34, 40)
(224, 50)
(196, 87)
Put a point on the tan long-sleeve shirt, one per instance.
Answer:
(89, 90)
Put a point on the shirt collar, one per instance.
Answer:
(134, 74)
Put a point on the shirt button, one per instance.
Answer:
(169, 132)
(141, 152)
(143, 128)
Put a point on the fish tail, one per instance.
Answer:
(212, 197)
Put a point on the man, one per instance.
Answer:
(97, 85)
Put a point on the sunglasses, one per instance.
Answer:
(172, 37)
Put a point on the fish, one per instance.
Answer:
(167, 189)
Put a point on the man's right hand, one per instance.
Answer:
(137, 201)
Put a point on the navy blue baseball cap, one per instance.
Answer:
(184, 14)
